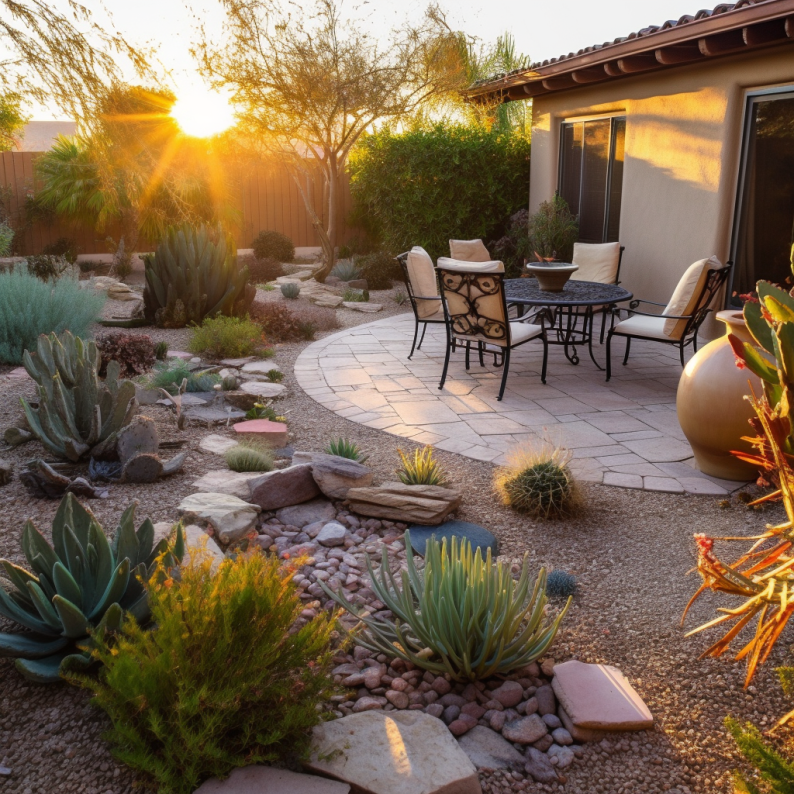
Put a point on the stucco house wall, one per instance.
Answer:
(682, 154)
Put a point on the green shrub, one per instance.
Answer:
(6, 239)
(30, 307)
(344, 448)
(356, 296)
(47, 267)
(273, 245)
(261, 411)
(290, 290)
(134, 353)
(62, 247)
(161, 351)
(221, 680)
(515, 246)
(346, 271)
(294, 323)
(170, 375)
(553, 230)
(249, 457)
(423, 187)
(80, 583)
(462, 615)
(401, 298)
(380, 269)
(275, 375)
(421, 469)
(538, 481)
(226, 337)
(261, 271)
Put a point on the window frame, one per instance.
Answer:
(612, 117)
(751, 97)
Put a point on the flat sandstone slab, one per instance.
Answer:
(600, 697)
(397, 752)
(268, 780)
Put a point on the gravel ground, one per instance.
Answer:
(630, 550)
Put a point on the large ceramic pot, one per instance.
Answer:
(551, 276)
(711, 407)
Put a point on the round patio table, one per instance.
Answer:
(577, 301)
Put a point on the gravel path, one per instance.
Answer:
(630, 550)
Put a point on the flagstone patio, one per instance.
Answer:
(622, 433)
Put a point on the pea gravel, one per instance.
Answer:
(631, 552)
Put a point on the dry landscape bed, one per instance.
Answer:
(630, 551)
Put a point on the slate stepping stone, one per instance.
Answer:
(599, 697)
(479, 536)
(263, 390)
(236, 362)
(272, 433)
(260, 367)
(213, 416)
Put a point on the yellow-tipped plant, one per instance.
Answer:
(421, 468)
(537, 481)
(462, 615)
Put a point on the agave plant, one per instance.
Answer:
(346, 271)
(461, 615)
(77, 411)
(344, 448)
(764, 574)
(80, 585)
(191, 277)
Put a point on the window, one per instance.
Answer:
(763, 237)
(591, 175)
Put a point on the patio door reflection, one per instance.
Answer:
(765, 223)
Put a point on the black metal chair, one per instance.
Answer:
(422, 311)
(476, 312)
(683, 331)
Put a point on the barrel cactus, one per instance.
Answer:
(81, 584)
(195, 274)
(76, 410)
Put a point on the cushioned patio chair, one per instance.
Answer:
(599, 262)
(680, 320)
(468, 251)
(476, 312)
(422, 286)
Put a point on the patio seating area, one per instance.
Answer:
(623, 433)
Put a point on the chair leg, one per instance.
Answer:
(416, 332)
(468, 350)
(422, 338)
(545, 359)
(681, 351)
(446, 364)
(504, 375)
(603, 324)
(695, 342)
(628, 347)
(481, 351)
(609, 354)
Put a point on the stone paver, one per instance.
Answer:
(623, 433)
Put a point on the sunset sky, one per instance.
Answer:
(542, 29)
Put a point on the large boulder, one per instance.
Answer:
(398, 752)
(423, 504)
(309, 513)
(599, 697)
(276, 489)
(486, 749)
(335, 476)
(229, 517)
(479, 537)
(269, 780)
(226, 481)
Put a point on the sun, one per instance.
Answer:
(202, 113)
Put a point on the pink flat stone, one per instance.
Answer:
(272, 433)
(18, 372)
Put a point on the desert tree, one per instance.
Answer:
(309, 83)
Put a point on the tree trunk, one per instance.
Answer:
(329, 253)
(122, 259)
(332, 185)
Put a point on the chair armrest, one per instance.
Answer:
(638, 301)
(665, 316)
(423, 298)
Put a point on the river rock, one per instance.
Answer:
(276, 489)
(332, 534)
(425, 504)
(510, 694)
(539, 766)
(269, 780)
(525, 730)
(229, 516)
(397, 752)
(547, 703)
(599, 697)
(335, 476)
(308, 513)
(486, 749)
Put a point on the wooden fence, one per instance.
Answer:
(264, 193)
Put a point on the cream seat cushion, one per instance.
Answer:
(687, 292)
(643, 325)
(462, 266)
(422, 276)
(519, 332)
(597, 262)
(469, 251)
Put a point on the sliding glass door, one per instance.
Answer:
(591, 175)
(764, 224)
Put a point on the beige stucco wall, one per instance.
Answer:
(683, 140)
